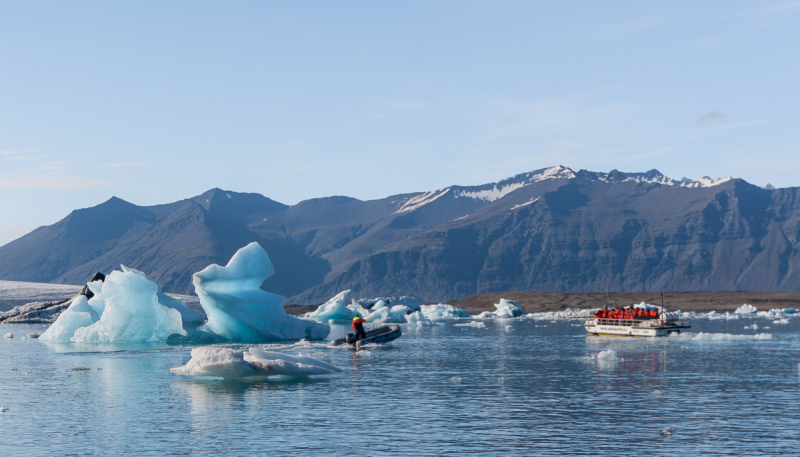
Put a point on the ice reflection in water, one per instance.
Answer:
(445, 390)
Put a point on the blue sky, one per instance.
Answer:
(158, 101)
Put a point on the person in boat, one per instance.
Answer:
(358, 327)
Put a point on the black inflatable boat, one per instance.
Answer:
(383, 334)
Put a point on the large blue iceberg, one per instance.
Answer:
(130, 311)
(239, 310)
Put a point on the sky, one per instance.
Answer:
(157, 101)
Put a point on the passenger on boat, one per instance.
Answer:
(358, 327)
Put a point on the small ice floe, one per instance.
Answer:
(565, 314)
(609, 355)
(81, 369)
(456, 379)
(230, 363)
(509, 328)
(8, 335)
(658, 392)
(666, 432)
(606, 356)
(753, 327)
(442, 312)
(720, 336)
(781, 321)
(417, 319)
(506, 309)
(475, 324)
(746, 309)
(34, 335)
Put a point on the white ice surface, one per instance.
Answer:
(506, 309)
(334, 310)
(417, 319)
(132, 312)
(230, 363)
(719, 336)
(79, 314)
(442, 312)
(475, 324)
(746, 309)
(239, 310)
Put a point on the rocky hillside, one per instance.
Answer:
(548, 230)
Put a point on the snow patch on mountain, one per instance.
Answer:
(492, 194)
(529, 202)
(421, 200)
(705, 181)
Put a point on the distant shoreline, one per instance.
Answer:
(537, 302)
(13, 293)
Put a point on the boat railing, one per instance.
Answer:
(651, 322)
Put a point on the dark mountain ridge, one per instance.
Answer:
(548, 230)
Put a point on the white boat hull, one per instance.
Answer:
(651, 328)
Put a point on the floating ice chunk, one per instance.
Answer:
(753, 327)
(666, 432)
(746, 309)
(781, 321)
(188, 315)
(509, 328)
(608, 355)
(565, 314)
(417, 319)
(230, 363)
(334, 310)
(475, 324)
(239, 310)
(132, 312)
(385, 315)
(658, 392)
(8, 335)
(456, 379)
(412, 303)
(719, 336)
(506, 309)
(442, 312)
(78, 315)
(34, 335)
(260, 354)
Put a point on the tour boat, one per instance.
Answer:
(663, 325)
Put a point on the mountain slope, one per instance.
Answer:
(551, 229)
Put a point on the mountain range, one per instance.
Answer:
(552, 229)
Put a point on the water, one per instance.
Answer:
(536, 388)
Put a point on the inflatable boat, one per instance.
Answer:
(383, 334)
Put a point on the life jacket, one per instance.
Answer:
(357, 320)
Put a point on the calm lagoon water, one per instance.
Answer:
(534, 388)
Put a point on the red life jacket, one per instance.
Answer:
(357, 321)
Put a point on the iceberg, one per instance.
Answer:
(417, 319)
(239, 310)
(442, 312)
(335, 310)
(230, 363)
(385, 315)
(188, 315)
(79, 314)
(568, 313)
(746, 309)
(475, 324)
(412, 303)
(506, 309)
(131, 312)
